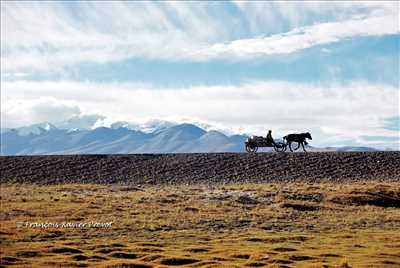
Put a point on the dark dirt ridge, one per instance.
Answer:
(200, 168)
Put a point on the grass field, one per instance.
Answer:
(227, 225)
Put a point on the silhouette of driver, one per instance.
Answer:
(269, 137)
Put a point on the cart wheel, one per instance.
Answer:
(250, 149)
(280, 147)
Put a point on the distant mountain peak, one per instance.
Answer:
(150, 126)
(188, 127)
(185, 131)
(48, 126)
(35, 129)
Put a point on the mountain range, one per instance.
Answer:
(123, 138)
(46, 138)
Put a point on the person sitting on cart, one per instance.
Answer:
(269, 138)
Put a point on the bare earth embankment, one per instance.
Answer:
(200, 168)
(201, 210)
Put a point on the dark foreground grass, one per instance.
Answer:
(232, 225)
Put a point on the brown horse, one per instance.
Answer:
(299, 138)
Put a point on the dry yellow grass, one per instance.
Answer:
(233, 225)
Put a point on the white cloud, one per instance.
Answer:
(302, 38)
(81, 121)
(335, 112)
(46, 35)
(49, 35)
(23, 112)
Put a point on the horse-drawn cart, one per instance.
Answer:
(254, 142)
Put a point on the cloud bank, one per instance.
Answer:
(68, 34)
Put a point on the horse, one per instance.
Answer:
(299, 138)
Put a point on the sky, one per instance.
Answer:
(330, 68)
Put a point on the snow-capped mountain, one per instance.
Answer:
(80, 122)
(33, 129)
(147, 127)
(119, 138)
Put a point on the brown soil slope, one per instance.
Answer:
(200, 168)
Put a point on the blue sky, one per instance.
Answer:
(331, 68)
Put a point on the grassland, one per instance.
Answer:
(325, 224)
